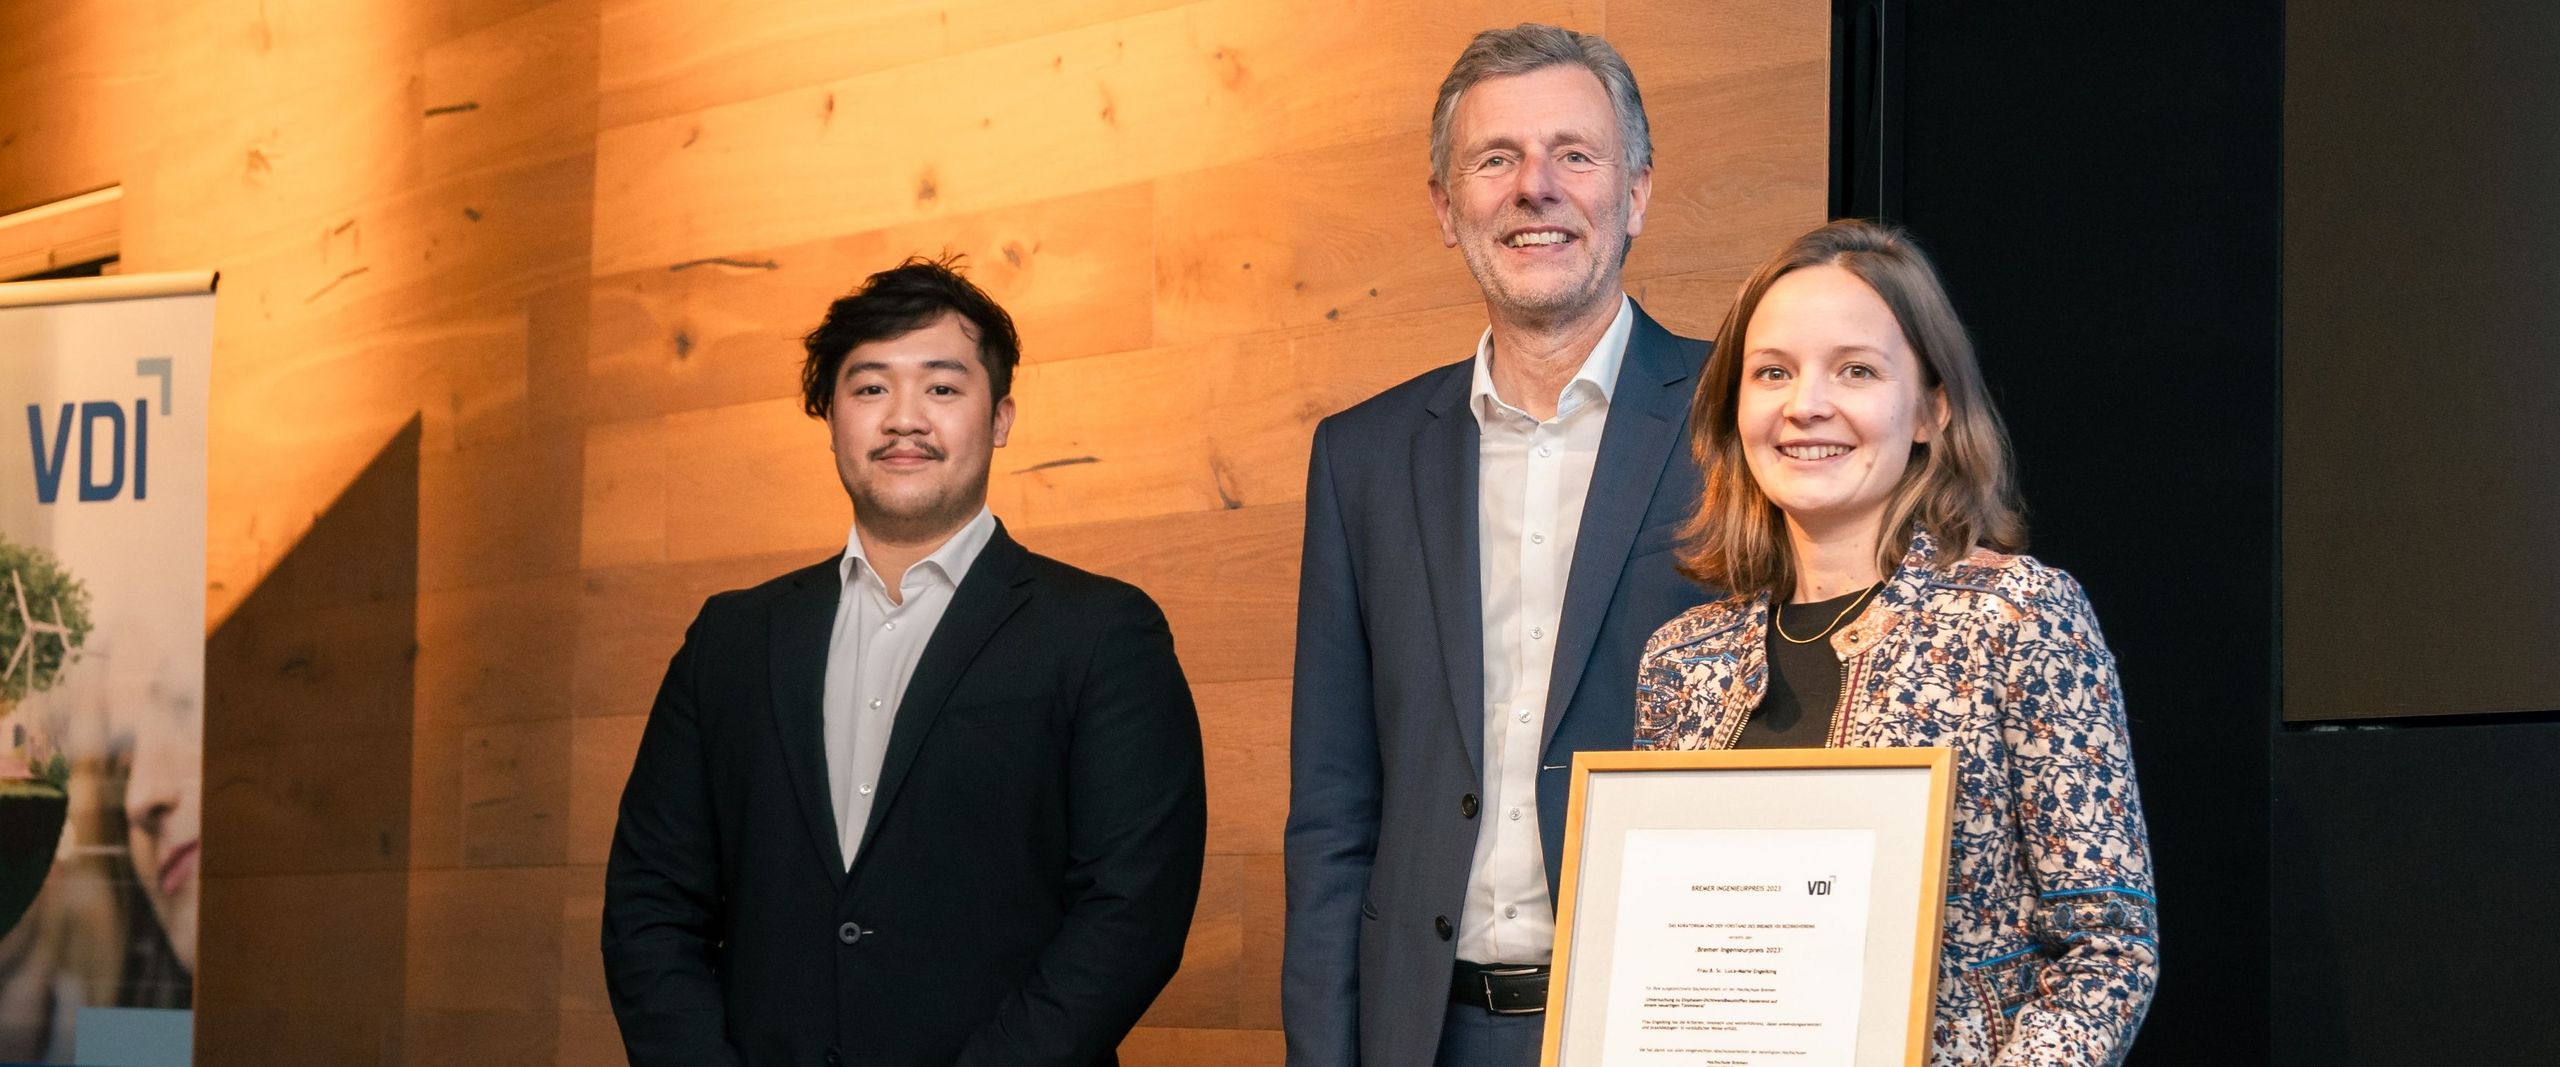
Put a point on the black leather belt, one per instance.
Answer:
(1503, 989)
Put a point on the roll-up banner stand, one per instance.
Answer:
(102, 624)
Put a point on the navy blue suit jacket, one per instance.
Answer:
(1387, 728)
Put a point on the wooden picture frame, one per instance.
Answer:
(1790, 806)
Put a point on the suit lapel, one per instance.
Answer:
(996, 586)
(1444, 495)
(1648, 408)
(803, 621)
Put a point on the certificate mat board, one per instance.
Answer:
(1775, 906)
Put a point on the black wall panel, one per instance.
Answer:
(2099, 185)
(2311, 468)
(2414, 896)
(2422, 358)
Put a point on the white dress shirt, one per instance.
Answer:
(871, 656)
(1533, 477)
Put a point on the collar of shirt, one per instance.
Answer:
(1598, 378)
(950, 561)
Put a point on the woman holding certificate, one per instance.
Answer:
(1859, 508)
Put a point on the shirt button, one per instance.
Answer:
(889, 625)
(1544, 451)
(1515, 815)
(1511, 911)
(864, 789)
(849, 933)
(1537, 539)
(1524, 715)
(875, 702)
(1537, 633)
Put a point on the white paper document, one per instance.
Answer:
(1739, 948)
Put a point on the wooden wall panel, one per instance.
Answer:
(672, 57)
(587, 1033)
(1227, 580)
(486, 653)
(1681, 42)
(1087, 108)
(520, 87)
(1301, 239)
(1258, 974)
(631, 620)
(482, 983)
(328, 983)
(438, 758)
(600, 755)
(555, 257)
(65, 86)
(1203, 993)
(1244, 729)
(1073, 272)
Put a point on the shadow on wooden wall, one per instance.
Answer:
(308, 717)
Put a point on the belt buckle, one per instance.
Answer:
(1487, 976)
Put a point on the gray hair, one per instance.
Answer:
(1533, 46)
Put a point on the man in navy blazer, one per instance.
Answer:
(1488, 546)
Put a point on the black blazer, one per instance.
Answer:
(1030, 865)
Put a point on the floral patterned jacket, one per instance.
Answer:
(2049, 955)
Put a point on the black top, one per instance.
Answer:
(1804, 680)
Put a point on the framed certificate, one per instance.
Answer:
(1769, 906)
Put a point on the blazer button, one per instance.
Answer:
(1441, 925)
(1467, 805)
(849, 933)
(834, 1060)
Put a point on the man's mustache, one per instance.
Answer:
(916, 447)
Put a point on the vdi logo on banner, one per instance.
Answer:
(103, 468)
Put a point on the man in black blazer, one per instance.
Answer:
(935, 801)
(1488, 546)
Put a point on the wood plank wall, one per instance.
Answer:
(574, 241)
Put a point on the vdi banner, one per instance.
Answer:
(102, 570)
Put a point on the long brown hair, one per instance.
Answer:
(1959, 486)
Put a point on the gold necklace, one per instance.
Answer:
(1778, 618)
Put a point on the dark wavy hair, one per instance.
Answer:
(897, 302)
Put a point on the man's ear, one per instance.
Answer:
(1639, 195)
(1004, 420)
(1440, 207)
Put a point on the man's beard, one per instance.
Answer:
(944, 509)
(1573, 295)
